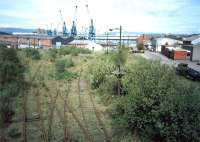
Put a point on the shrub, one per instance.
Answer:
(84, 51)
(11, 81)
(14, 133)
(120, 57)
(52, 54)
(109, 86)
(73, 51)
(140, 46)
(61, 66)
(159, 105)
(32, 53)
(69, 62)
(100, 71)
(65, 50)
(67, 75)
(63, 63)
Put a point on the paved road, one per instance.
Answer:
(163, 59)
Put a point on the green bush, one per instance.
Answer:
(119, 58)
(65, 50)
(61, 66)
(109, 87)
(67, 75)
(159, 105)
(73, 51)
(11, 81)
(52, 54)
(32, 53)
(140, 46)
(69, 62)
(99, 72)
(14, 133)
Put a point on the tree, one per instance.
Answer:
(140, 46)
(11, 79)
(32, 53)
(159, 105)
(119, 59)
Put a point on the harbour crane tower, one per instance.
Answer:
(64, 28)
(74, 23)
(92, 32)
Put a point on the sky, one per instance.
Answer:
(158, 16)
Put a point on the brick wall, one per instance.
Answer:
(14, 40)
(143, 39)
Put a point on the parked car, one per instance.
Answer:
(193, 74)
(135, 50)
(189, 73)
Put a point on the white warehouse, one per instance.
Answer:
(158, 42)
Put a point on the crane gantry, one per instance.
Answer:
(73, 32)
(74, 23)
(92, 32)
(64, 28)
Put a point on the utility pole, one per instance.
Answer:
(119, 67)
(118, 73)
(120, 40)
(34, 40)
(17, 42)
(107, 44)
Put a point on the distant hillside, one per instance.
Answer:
(4, 33)
(16, 30)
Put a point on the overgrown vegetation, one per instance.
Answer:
(61, 66)
(119, 58)
(11, 82)
(74, 51)
(32, 53)
(100, 71)
(140, 46)
(52, 53)
(159, 105)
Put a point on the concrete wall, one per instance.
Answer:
(196, 53)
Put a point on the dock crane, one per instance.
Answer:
(74, 23)
(92, 33)
(49, 31)
(64, 28)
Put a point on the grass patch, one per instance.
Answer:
(32, 53)
(66, 75)
(74, 51)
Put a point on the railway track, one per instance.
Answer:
(62, 108)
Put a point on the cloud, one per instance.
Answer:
(134, 15)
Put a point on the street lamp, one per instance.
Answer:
(106, 33)
(119, 73)
(120, 34)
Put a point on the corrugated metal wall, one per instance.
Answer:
(196, 54)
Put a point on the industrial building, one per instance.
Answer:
(175, 53)
(24, 41)
(195, 53)
(145, 40)
(194, 48)
(158, 42)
